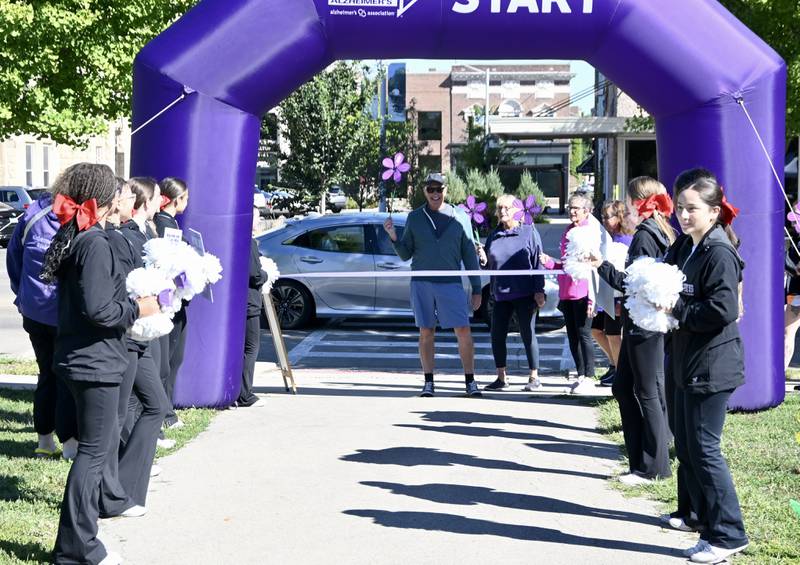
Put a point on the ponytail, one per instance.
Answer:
(58, 251)
(666, 228)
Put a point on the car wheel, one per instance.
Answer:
(293, 304)
(336, 210)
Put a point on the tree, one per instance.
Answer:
(482, 152)
(529, 187)
(778, 23)
(66, 65)
(330, 134)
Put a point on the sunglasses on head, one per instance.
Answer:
(431, 188)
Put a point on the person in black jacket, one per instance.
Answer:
(639, 381)
(174, 199)
(139, 199)
(707, 362)
(94, 312)
(252, 337)
(791, 317)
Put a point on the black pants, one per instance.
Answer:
(699, 420)
(137, 453)
(252, 344)
(97, 412)
(579, 334)
(526, 316)
(53, 405)
(639, 390)
(171, 359)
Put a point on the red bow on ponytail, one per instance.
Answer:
(659, 202)
(165, 200)
(65, 208)
(727, 212)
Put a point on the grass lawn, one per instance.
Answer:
(31, 489)
(764, 455)
(13, 366)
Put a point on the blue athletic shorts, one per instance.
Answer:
(446, 302)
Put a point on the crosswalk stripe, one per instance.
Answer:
(414, 344)
(393, 355)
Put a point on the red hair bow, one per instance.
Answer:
(65, 208)
(727, 212)
(660, 202)
(165, 200)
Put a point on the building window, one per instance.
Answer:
(45, 165)
(29, 164)
(511, 89)
(430, 126)
(476, 89)
(432, 163)
(545, 89)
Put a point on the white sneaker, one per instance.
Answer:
(165, 443)
(533, 385)
(701, 545)
(69, 449)
(176, 425)
(155, 471)
(135, 511)
(634, 480)
(583, 386)
(713, 554)
(674, 522)
(111, 558)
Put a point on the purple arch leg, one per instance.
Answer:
(213, 147)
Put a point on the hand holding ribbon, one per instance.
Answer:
(655, 202)
(65, 208)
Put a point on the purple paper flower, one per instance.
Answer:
(474, 209)
(794, 217)
(395, 168)
(528, 210)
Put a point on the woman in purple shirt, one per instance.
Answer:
(512, 246)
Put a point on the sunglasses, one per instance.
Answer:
(431, 189)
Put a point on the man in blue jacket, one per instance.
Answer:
(37, 301)
(436, 239)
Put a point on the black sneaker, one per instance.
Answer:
(496, 385)
(473, 390)
(608, 379)
(427, 389)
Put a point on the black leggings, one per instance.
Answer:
(639, 390)
(53, 405)
(252, 344)
(526, 316)
(579, 334)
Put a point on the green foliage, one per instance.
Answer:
(778, 23)
(527, 187)
(579, 150)
(476, 183)
(66, 65)
(330, 134)
(482, 153)
(456, 188)
(494, 186)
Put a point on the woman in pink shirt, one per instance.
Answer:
(574, 300)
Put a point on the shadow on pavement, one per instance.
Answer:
(415, 456)
(434, 521)
(470, 496)
(443, 416)
(571, 446)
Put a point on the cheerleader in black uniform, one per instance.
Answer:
(174, 199)
(94, 312)
(707, 362)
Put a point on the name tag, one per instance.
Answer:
(688, 289)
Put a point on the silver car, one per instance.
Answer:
(349, 243)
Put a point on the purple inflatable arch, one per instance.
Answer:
(686, 61)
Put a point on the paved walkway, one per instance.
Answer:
(358, 470)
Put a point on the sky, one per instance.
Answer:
(584, 72)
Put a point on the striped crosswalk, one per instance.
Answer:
(393, 345)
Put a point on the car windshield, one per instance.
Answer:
(37, 193)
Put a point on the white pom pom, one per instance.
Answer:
(271, 268)
(582, 243)
(617, 254)
(151, 327)
(147, 281)
(652, 287)
(212, 268)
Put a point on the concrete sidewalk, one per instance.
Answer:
(356, 469)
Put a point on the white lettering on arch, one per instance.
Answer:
(531, 5)
(563, 7)
(466, 6)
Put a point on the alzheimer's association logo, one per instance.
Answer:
(364, 8)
